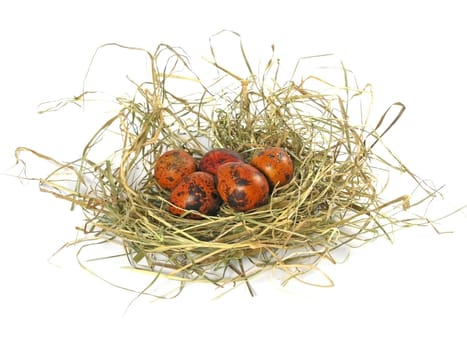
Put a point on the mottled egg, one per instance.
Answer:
(196, 191)
(242, 186)
(216, 157)
(276, 164)
(172, 167)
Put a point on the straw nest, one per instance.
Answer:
(336, 198)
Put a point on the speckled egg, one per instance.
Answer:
(172, 167)
(216, 157)
(196, 191)
(242, 186)
(276, 164)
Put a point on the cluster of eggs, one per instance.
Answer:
(222, 176)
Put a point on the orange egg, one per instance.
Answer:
(196, 191)
(172, 166)
(216, 157)
(242, 186)
(276, 164)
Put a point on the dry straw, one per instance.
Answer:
(337, 197)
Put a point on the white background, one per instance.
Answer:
(410, 294)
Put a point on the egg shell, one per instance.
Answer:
(216, 157)
(242, 186)
(172, 167)
(196, 191)
(276, 164)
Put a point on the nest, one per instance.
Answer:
(337, 197)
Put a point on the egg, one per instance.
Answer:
(216, 157)
(172, 167)
(276, 164)
(196, 191)
(242, 186)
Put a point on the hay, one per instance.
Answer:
(336, 198)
